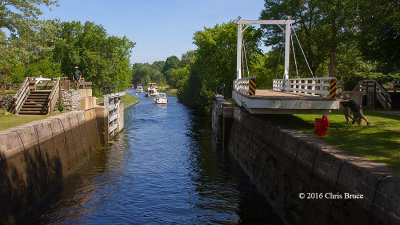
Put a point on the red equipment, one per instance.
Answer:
(321, 125)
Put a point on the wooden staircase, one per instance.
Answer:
(378, 94)
(36, 103)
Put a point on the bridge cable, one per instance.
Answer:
(279, 61)
(294, 55)
(245, 57)
(294, 31)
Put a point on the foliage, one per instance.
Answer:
(17, 15)
(379, 39)
(60, 105)
(52, 48)
(144, 73)
(213, 64)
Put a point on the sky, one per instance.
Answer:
(160, 28)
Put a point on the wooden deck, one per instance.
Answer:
(285, 95)
(277, 102)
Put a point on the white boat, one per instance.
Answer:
(162, 98)
(139, 89)
(152, 90)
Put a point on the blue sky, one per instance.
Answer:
(160, 28)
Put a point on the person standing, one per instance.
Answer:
(76, 76)
(346, 110)
(357, 112)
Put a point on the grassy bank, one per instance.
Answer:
(8, 120)
(168, 89)
(379, 142)
(127, 98)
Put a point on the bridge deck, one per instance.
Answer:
(286, 95)
(277, 102)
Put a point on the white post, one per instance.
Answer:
(239, 52)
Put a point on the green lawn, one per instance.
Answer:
(8, 120)
(379, 142)
(127, 99)
(9, 92)
(169, 90)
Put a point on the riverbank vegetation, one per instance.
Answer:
(379, 142)
(128, 99)
(51, 48)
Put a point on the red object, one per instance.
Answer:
(321, 125)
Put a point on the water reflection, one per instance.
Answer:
(162, 169)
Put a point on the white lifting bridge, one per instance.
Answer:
(288, 96)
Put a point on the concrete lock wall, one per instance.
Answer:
(35, 157)
(284, 163)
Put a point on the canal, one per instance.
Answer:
(162, 169)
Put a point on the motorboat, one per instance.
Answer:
(139, 89)
(152, 90)
(162, 98)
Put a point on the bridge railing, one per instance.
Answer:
(243, 85)
(321, 86)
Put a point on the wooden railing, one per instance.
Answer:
(54, 94)
(306, 86)
(242, 85)
(23, 92)
(378, 92)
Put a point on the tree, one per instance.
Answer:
(379, 36)
(321, 25)
(214, 64)
(17, 15)
(144, 73)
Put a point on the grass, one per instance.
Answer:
(127, 99)
(169, 90)
(8, 120)
(379, 142)
(8, 92)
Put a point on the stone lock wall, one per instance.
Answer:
(6, 101)
(80, 99)
(35, 157)
(284, 163)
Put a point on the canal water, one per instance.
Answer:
(162, 169)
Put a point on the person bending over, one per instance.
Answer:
(356, 109)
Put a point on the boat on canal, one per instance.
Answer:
(162, 98)
(139, 89)
(152, 90)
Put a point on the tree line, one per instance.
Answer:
(51, 48)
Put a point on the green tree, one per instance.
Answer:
(321, 25)
(379, 36)
(17, 15)
(214, 64)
